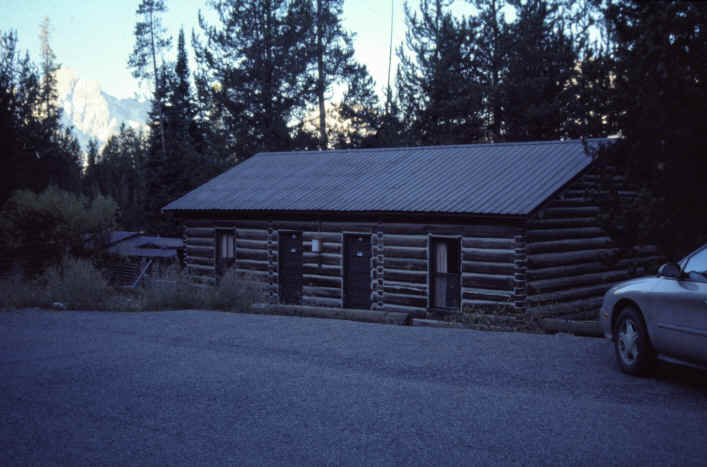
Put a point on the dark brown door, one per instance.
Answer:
(290, 267)
(357, 271)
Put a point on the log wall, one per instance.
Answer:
(491, 260)
(571, 260)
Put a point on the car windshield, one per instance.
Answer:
(696, 265)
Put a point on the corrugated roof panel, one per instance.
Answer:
(505, 178)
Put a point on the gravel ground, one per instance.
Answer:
(212, 388)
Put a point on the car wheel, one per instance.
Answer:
(633, 348)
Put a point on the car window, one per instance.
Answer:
(696, 267)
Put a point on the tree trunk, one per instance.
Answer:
(323, 139)
(157, 95)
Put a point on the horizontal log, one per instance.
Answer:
(419, 241)
(572, 257)
(201, 267)
(400, 275)
(583, 211)
(564, 222)
(488, 255)
(573, 201)
(579, 328)
(486, 294)
(539, 235)
(200, 232)
(326, 247)
(405, 263)
(252, 274)
(322, 258)
(334, 237)
(477, 305)
(488, 281)
(564, 271)
(248, 254)
(314, 280)
(366, 316)
(413, 311)
(560, 283)
(405, 300)
(200, 260)
(326, 292)
(568, 295)
(471, 230)
(252, 234)
(491, 243)
(252, 265)
(559, 309)
(323, 270)
(253, 244)
(485, 267)
(405, 252)
(196, 241)
(322, 301)
(207, 251)
(405, 288)
(569, 245)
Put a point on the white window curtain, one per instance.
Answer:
(226, 246)
(440, 266)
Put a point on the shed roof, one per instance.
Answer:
(501, 178)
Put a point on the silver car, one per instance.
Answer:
(661, 316)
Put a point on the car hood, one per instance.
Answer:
(641, 284)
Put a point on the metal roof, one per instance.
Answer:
(501, 178)
(144, 245)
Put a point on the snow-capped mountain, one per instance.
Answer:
(94, 113)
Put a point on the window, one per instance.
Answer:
(225, 249)
(696, 267)
(444, 279)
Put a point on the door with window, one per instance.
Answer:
(444, 275)
(225, 250)
(290, 267)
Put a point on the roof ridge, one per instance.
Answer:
(422, 148)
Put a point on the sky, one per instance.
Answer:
(94, 38)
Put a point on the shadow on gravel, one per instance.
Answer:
(693, 378)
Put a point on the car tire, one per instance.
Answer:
(634, 352)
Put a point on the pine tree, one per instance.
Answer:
(334, 56)
(150, 41)
(542, 64)
(255, 71)
(436, 84)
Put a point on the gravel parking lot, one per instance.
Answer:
(211, 388)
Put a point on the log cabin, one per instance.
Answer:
(420, 230)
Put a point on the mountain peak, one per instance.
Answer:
(92, 112)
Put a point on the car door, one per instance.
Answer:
(682, 319)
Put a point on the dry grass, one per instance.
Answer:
(78, 285)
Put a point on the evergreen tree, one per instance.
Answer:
(334, 56)
(542, 64)
(660, 51)
(150, 41)
(492, 38)
(255, 71)
(436, 83)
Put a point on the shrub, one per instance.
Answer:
(16, 292)
(76, 283)
(170, 289)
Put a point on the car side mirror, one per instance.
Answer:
(670, 270)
